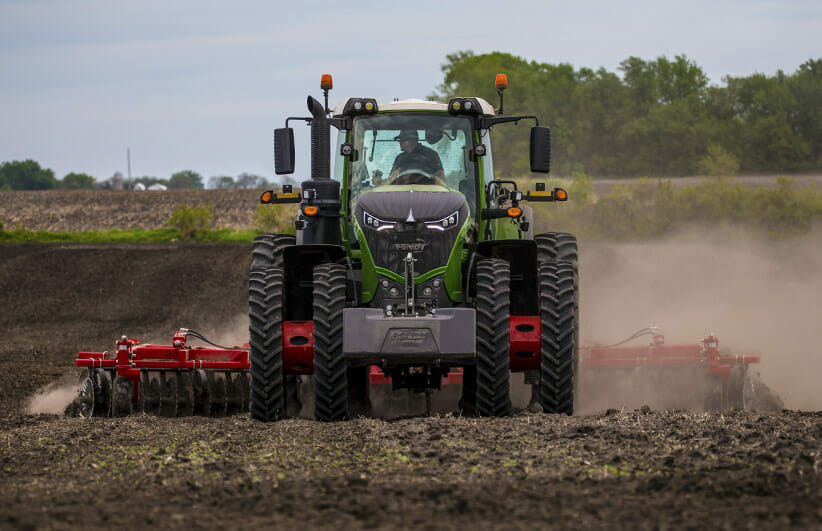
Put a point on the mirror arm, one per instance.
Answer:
(485, 123)
(345, 122)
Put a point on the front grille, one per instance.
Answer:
(429, 247)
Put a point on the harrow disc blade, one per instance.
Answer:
(245, 382)
(202, 398)
(85, 403)
(185, 394)
(234, 393)
(149, 392)
(217, 393)
(168, 399)
(102, 392)
(122, 398)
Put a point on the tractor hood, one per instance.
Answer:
(411, 203)
(424, 220)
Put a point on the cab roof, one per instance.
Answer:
(415, 105)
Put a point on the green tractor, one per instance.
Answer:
(413, 263)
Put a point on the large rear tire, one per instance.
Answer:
(268, 249)
(330, 369)
(559, 366)
(493, 363)
(557, 246)
(265, 295)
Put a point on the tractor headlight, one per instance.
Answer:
(445, 223)
(375, 223)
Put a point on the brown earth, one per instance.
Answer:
(638, 468)
(82, 210)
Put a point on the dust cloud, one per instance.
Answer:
(232, 333)
(53, 399)
(753, 294)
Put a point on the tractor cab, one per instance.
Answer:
(411, 143)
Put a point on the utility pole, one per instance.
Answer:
(128, 165)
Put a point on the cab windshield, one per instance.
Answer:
(413, 149)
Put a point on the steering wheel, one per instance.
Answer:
(414, 177)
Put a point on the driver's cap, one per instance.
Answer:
(406, 134)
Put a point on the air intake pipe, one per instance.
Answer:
(320, 224)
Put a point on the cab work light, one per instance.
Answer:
(358, 106)
(469, 106)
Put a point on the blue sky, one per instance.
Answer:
(201, 84)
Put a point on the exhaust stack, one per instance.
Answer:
(319, 221)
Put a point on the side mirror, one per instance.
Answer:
(283, 151)
(540, 149)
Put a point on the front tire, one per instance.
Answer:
(559, 366)
(493, 363)
(330, 369)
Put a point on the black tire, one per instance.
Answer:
(122, 399)
(330, 369)
(268, 250)
(557, 246)
(265, 295)
(559, 365)
(493, 363)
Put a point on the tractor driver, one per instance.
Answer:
(415, 156)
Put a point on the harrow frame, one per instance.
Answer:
(195, 368)
(704, 356)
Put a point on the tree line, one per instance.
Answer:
(29, 175)
(657, 117)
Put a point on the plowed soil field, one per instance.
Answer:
(636, 467)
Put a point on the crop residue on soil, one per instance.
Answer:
(638, 468)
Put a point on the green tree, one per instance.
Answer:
(659, 118)
(251, 181)
(26, 175)
(185, 179)
(221, 182)
(806, 115)
(77, 181)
